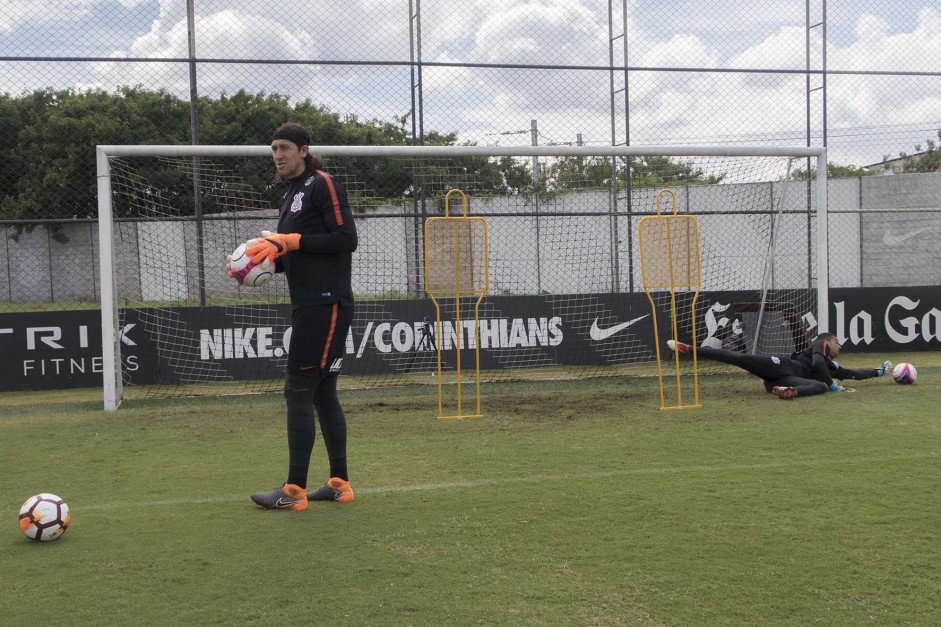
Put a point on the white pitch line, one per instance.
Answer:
(499, 481)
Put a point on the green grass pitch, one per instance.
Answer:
(569, 503)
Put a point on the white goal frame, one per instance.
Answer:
(110, 334)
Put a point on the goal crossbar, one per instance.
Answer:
(123, 150)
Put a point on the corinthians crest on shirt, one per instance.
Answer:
(296, 203)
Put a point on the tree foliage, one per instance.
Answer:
(659, 171)
(834, 171)
(923, 161)
(47, 145)
(645, 172)
(48, 139)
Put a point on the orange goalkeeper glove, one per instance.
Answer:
(272, 245)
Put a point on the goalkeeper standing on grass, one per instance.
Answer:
(313, 246)
(805, 373)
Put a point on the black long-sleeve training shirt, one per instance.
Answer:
(817, 360)
(316, 206)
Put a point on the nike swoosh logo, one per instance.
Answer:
(890, 239)
(282, 503)
(598, 334)
(275, 244)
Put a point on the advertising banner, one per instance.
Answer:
(62, 349)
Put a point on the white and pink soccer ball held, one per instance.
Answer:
(247, 273)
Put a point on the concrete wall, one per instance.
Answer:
(884, 231)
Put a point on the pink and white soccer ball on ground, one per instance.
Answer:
(247, 273)
(904, 373)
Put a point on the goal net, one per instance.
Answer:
(565, 296)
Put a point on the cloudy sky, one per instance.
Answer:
(867, 116)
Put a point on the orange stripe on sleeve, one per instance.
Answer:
(333, 198)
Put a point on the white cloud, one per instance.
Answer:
(225, 32)
(876, 47)
(882, 99)
(782, 50)
(544, 33)
(482, 103)
(678, 51)
(444, 79)
(16, 12)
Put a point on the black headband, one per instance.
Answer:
(293, 135)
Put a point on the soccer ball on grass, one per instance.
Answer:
(904, 373)
(247, 273)
(44, 517)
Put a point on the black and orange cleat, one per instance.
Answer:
(784, 392)
(288, 496)
(675, 346)
(335, 489)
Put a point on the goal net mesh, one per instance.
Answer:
(565, 294)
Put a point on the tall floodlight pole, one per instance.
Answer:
(534, 135)
(194, 139)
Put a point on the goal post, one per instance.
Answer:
(565, 296)
(110, 350)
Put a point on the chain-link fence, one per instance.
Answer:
(860, 77)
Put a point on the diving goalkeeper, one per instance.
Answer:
(805, 373)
